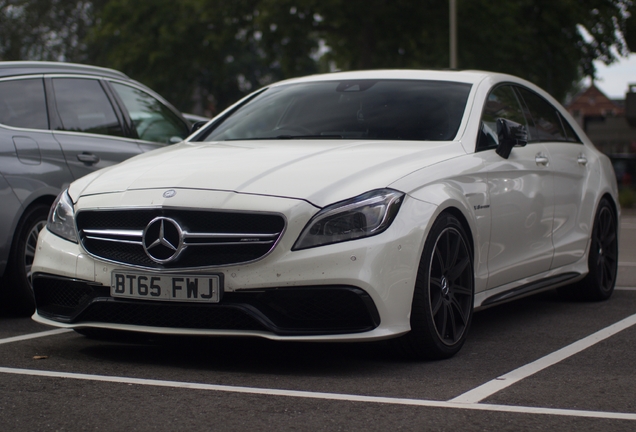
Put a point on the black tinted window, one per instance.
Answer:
(22, 104)
(547, 125)
(503, 103)
(84, 107)
(364, 109)
(570, 135)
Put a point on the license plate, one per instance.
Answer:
(184, 288)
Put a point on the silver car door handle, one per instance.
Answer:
(541, 159)
(582, 160)
(88, 158)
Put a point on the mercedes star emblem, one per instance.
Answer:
(163, 240)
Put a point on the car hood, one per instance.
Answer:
(320, 172)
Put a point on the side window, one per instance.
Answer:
(547, 122)
(569, 131)
(84, 107)
(153, 120)
(23, 104)
(502, 102)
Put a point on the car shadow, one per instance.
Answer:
(257, 355)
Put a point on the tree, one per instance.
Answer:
(209, 53)
(214, 51)
(44, 29)
(552, 43)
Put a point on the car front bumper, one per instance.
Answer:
(356, 290)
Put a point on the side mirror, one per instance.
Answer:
(510, 134)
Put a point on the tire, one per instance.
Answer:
(602, 259)
(443, 298)
(17, 283)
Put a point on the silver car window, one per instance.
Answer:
(22, 103)
(84, 107)
(152, 120)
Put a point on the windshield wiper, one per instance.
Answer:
(308, 136)
(288, 137)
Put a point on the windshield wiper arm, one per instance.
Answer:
(308, 136)
(288, 137)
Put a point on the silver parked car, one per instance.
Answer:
(58, 122)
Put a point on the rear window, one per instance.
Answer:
(84, 107)
(22, 104)
(353, 109)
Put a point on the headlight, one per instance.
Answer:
(363, 216)
(61, 220)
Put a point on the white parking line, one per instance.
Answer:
(34, 335)
(469, 400)
(323, 396)
(491, 387)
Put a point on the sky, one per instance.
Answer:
(614, 80)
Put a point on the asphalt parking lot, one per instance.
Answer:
(539, 363)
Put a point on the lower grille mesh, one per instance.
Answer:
(284, 311)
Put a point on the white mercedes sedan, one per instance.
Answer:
(351, 206)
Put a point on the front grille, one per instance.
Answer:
(284, 311)
(207, 238)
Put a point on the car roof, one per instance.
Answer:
(468, 76)
(16, 68)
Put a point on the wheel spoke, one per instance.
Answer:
(443, 317)
(609, 239)
(462, 314)
(447, 257)
(30, 251)
(453, 252)
(458, 269)
(453, 324)
(435, 306)
(439, 259)
(462, 290)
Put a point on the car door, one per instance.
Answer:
(570, 162)
(521, 196)
(87, 124)
(31, 162)
(30, 157)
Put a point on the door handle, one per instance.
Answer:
(88, 158)
(582, 160)
(541, 159)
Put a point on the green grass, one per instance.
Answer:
(627, 197)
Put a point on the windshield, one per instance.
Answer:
(353, 109)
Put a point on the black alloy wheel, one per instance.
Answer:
(442, 307)
(602, 259)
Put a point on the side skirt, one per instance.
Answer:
(531, 288)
